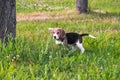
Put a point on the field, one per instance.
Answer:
(35, 56)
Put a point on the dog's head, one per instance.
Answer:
(58, 33)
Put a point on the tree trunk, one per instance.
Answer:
(7, 19)
(82, 6)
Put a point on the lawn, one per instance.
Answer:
(35, 56)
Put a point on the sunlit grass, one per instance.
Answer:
(34, 55)
(26, 6)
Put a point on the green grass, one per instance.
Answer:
(35, 56)
(28, 6)
(43, 5)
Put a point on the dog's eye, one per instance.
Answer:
(57, 32)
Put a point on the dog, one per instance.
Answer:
(71, 38)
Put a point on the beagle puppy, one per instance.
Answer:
(71, 38)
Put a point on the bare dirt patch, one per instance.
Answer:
(36, 16)
(45, 15)
(68, 14)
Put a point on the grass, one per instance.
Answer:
(43, 5)
(35, 56)
(27, 6)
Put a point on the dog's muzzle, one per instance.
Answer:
(55, 37)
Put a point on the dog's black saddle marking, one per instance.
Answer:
(72, 37)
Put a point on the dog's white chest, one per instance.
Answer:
(58, 42)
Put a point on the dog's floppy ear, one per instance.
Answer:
(62, 32)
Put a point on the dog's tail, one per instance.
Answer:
(86, 34)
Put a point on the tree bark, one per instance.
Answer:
(82, 6)
(7, 19)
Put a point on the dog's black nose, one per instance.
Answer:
(54, 37)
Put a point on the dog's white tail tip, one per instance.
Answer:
(92, 36)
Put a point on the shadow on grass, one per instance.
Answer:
(104, 14)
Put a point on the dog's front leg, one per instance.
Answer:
(65, 42)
